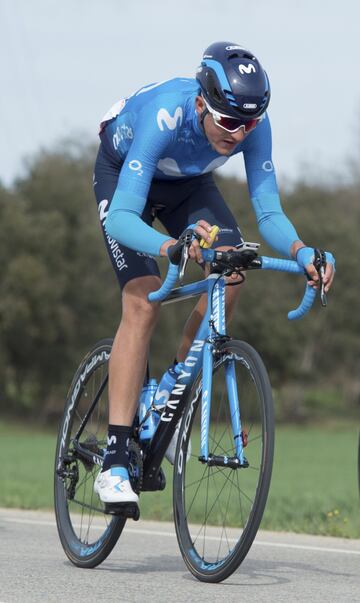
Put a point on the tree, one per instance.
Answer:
(58, 293)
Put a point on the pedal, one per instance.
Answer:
(130, 510)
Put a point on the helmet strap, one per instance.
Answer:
(202, 117)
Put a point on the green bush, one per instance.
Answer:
(58, 293)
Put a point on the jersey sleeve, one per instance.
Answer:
(124, 223)
(274, 226)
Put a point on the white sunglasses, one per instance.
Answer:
(232, 124)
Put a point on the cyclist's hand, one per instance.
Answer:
(203, 229)
(305, 258)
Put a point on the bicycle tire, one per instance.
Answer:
(84, 545)
(204, 557)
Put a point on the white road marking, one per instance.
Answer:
(145, 532)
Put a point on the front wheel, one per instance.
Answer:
(87, 534)
(217, 508)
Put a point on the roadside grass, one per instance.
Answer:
(314, 487)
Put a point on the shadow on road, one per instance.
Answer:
(251, 573)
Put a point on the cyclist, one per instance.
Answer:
(158, 149)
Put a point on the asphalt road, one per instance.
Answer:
(146, 565)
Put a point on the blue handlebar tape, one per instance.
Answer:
(281, 265)
(291, 266)
(305, 305)
(167, 285)
(208, 255)
(172, 276)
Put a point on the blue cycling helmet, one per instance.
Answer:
(232, 81)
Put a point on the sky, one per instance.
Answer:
(63, 64)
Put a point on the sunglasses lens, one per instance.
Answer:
(250, 125)
(233, 125)
(229, 123)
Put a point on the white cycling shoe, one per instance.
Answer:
(113, 486)
(170, 453)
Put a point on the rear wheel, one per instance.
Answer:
(87, 534)
(218, 509)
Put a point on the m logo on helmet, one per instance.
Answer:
(247, 68)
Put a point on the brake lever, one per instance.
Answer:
(320, 265)
(183, 262)
(323, 297)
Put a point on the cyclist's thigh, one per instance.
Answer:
(203, 201)
(127, 263)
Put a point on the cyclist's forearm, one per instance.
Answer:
(124, 224)
(274, 225)
(130, 230)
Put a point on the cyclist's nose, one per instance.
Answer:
(238, 136)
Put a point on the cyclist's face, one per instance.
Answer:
(222, 142)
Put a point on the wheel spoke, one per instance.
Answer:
(77, 505)
(199, 481)
(224, 515)
(223, 531)
(215, 504)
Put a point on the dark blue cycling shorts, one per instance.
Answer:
(176, 204)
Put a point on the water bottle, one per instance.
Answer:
(148, 428)
(161, 398)
(166, 385)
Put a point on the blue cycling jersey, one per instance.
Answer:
(157, 134)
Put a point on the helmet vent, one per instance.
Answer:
(241, 55)
(216, 95)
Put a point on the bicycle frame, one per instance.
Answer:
(201, 354)
(210, 335)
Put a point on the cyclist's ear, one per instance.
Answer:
(199, 104)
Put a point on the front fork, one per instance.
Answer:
(232, 390)
(217, 335)
(236, 458)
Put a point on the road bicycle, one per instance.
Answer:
(224, 453)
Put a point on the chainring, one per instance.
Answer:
(136, 469)
(91, 443)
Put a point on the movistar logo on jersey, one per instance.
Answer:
(102, 209)
(247, 68)
(164, 117)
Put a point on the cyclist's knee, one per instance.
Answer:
(136, 308)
